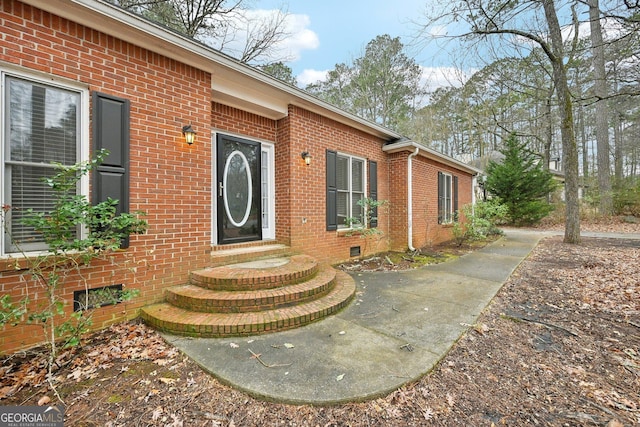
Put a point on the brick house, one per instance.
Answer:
(77, 75)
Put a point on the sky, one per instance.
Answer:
(328, 32)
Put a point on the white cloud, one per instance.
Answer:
(436, 77)
(438, 31)
(299, 37)
(311, 76)
(611, 29)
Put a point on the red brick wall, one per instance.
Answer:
(398, 200)
(238, 122)
(426, 230)
(300, 190)
(284, 168)
(315, 134)
(170, 181)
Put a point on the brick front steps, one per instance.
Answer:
(252, 297)
(268, 274)
(250, 251)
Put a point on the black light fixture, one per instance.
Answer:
(189, 134)
(306, 157)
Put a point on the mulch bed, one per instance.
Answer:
(559, 346)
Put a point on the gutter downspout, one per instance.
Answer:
(410, 199)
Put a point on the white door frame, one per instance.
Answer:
(268, 200)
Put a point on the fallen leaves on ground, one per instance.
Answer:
(559, 345)
(400, 261)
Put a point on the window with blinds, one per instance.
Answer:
(350, 188)
(41, 127)
(447, 198)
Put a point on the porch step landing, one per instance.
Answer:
(253, 297)
(249, 251)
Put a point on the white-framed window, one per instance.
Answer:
(447, 198)
(350, 185)
(43, 122)
(348, 180)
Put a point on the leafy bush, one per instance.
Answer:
(482, 220)
(626, 198)
(494, 212)
(67, 254)
(358, 225)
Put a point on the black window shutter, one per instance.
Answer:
(332, 191)
(111, 132)
(440, 197)
(373, 191)
(455, 198)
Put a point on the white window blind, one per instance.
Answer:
(350, 183)
(41, 127)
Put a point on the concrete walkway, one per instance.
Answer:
(397, 328)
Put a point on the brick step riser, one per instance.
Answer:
(253, 283)
(204, 330)
(248, 304)
(221, 331)
(219, 258)
(247, 300)
(244, 245)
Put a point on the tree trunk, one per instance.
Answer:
(569, 146)
(602, 110)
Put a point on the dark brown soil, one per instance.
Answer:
(558, 346)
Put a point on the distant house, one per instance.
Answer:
(269, 164)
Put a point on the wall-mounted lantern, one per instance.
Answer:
(189, 134)
(306, 157)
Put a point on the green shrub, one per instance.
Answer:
(521, 183)
(481, 221)
(68, 253)
(626, 198)
(493, 211)
(362, 225)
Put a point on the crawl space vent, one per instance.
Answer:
(97, 297)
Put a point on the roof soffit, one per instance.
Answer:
(429, 153)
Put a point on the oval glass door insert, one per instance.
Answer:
(237, 188)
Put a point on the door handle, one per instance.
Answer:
(220, 188)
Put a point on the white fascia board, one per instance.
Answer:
(262, 93)
(431, 154)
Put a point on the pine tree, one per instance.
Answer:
(521, 183)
